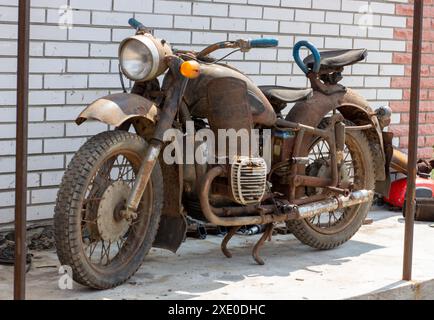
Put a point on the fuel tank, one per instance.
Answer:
(196, 95)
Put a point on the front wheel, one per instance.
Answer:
(102, 247)
(331, 229)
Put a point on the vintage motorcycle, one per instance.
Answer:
(118, 197)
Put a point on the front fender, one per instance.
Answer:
(117, 109)
(354, 108)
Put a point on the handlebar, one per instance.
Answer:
(315, 52)
(136, 24)
(244, 45)
(264, 43)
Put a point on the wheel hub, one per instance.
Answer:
(111, 225)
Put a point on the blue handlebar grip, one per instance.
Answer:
(315, 52)
(135, 24)
(264, 43)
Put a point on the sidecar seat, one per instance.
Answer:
(337, 58)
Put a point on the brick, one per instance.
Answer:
(45, 162)
(309, 15)
(367, 43)
(153, 21)
(392, 70)
(377, 82)
(200, 23)
(262, 54)
(175, 7)
(105, 5)
(296, 3)
(262, 26)
(51, 178)
(339, 17)
(210, 9)
(65, 81)
(46, 65)
(104, 81)
(89, 34)
(208, 37)
(261, 2)
(132, 5)
(8, 31)
(354, 6)
(228, 24)
(104, 50)
(63, 145)
(278, 14)
(379, 32)
(8, 48)
(110, 18)
(46, 97)
(353, 31)
(43, 196)
(78, 16)
(84, 96)
(392, 45)
(65, 113)
(41, 32)
(389, 94)
(66, 49)
(381, 7)
(379, 57)
(178, 37)
(275, 68)
(88, 65)
(329, 4)
(48, 3)
(294, 27)
(325, 29)
(390, 21)
(238, 11)
(44, 130)
(338, 43)
(365, 69)
(89, 128)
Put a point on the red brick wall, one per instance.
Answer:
(426, 129)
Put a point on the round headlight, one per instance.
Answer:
(142, 57)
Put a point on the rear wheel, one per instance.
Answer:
(331, 229)
(102, 247)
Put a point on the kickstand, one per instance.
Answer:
(225, 241)
(265, 236)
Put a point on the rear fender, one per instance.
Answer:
(354, 108)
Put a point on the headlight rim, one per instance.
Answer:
(151, 46)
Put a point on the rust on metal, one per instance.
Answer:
(119, 108)
(227, 238)
(265, 236)
(21, 150)
(413, 135)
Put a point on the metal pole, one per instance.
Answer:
(21, 150)
(412, 138)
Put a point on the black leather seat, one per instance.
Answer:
(286, 95)
(337, 58)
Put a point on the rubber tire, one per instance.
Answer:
(67, 217)
(309, 236)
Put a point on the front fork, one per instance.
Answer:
(174, 96)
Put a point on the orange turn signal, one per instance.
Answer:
(190, 69)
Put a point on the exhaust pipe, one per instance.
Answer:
(339, 202)
(399, 161)
(266, 214)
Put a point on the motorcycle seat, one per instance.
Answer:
(337, 58)
(286, 95)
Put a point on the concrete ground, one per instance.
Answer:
(369, 266)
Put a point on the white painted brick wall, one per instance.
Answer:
(71, 68)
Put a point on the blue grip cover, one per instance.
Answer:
(135, 24)
(264, 43)
(315, 52)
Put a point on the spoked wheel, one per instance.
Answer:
(331, 229)
(103, 247)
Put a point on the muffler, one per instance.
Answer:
(332, 204)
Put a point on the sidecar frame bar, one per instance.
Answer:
(21, 150)
(413, 134)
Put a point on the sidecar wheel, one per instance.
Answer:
(92, 236)
(329, 230)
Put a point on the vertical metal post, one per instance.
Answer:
(21, 149)
(412, 138)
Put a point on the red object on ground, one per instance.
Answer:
(398, 189)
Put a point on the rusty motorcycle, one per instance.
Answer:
(118, 198)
